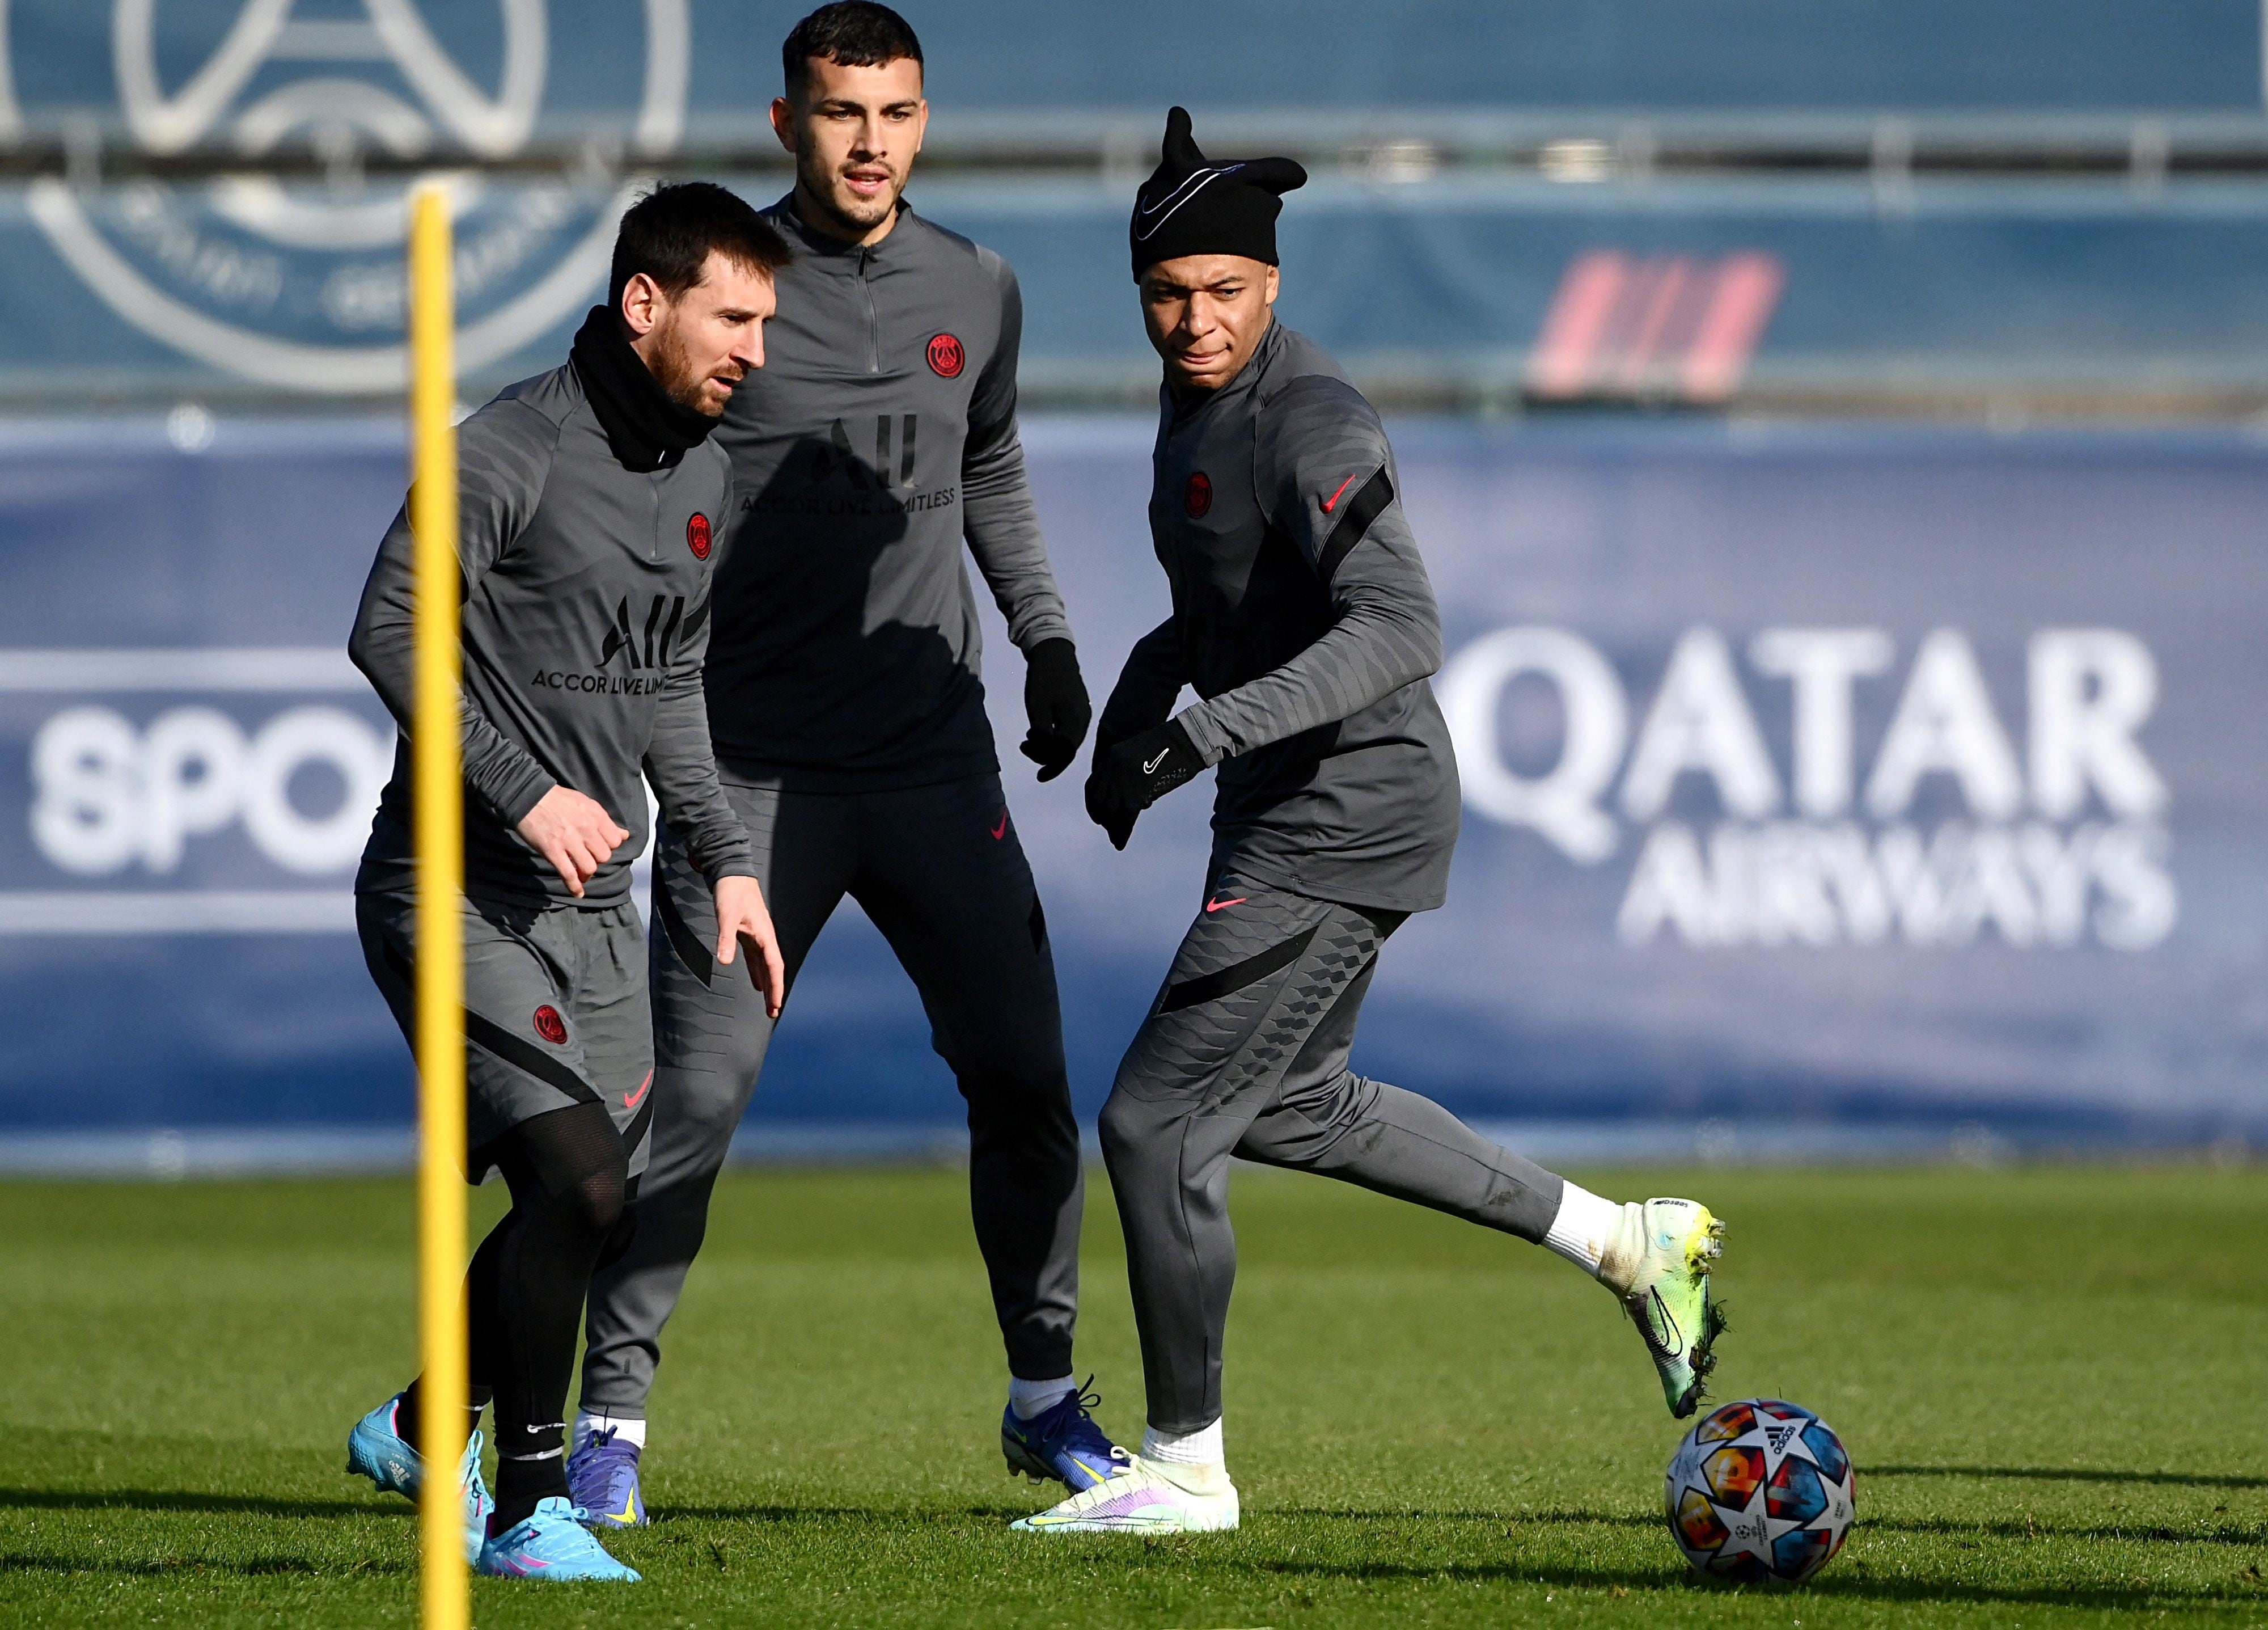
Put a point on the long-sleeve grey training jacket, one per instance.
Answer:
(1304, 619)
(585, 607)
(879, 434)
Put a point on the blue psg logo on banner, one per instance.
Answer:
(298, 283)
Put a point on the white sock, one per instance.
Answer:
(627, 1429)
(1028, 1399)
(1201, 1447)
(1583, 1228)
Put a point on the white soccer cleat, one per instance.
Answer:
(1658, 1263)
(1147, 1497)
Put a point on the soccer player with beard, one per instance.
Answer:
(1303, 619)
(591, 497)
(851, 737)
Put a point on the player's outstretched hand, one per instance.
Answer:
(574, 832)
(1055, 702)
(741, 915)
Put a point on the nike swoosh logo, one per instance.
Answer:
(1222, 905)
(1001, 830)
(631, 1101)
(1669, 1337)
(1331, 503)
(628, 1514)
(1150, 768)
(1173, 201)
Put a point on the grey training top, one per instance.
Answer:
(586, 616)
(1303, 617)
(881, 432)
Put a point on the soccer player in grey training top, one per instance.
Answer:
(852, 740)
(1303, 619)
(590, 500)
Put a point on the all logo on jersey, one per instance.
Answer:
(647, 645)
(652, 645)
(550, 1026)
(697, 536)
(946, 358)
(1197, 498)
(839, 456)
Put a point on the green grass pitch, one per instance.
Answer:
(2051, 1381)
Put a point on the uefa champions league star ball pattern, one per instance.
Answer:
(1761, 1489)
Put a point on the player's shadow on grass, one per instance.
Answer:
(1952, 1528)
(189, 1500)
(1838, 1585)
(2052, 1474)
(176, 1567)
(825, 1514)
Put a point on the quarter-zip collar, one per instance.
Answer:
(836, 255)
(858, 261)
(1247, 380)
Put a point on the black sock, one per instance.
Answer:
(520, 1484)
(407, 1417)
(529, 1277)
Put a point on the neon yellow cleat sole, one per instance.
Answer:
(1669, 1299)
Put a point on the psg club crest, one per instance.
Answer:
(1197, 498)
(550, 1026)
(697, 536)
(299, 283)
(946, 358)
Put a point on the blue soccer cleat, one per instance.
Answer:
(602, 1475)
(1063, 1445)
(551, 1544)
(377, 1451)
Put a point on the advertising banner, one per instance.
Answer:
(1823, 788)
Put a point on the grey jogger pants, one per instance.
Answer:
(1245, 1053)
(941, 871)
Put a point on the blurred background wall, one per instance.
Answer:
(1837, 434)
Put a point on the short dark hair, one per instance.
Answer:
(857, 34)
(670, 234)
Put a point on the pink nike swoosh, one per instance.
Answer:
(1001, 830)
(1222, 905)
(1331, 503)
(632, 1100)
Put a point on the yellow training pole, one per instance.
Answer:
(445, 1599)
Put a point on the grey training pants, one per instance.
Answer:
(1245, 1054)
(941, 871)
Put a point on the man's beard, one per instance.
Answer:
(858, 216)
(677, 378)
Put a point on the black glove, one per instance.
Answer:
(1131, 775)
(1055, 701)
(1117, 829)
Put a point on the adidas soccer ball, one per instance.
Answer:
(1762, 1489)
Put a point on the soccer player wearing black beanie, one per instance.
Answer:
(1304, 621)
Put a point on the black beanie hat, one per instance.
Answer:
(1190, 206)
